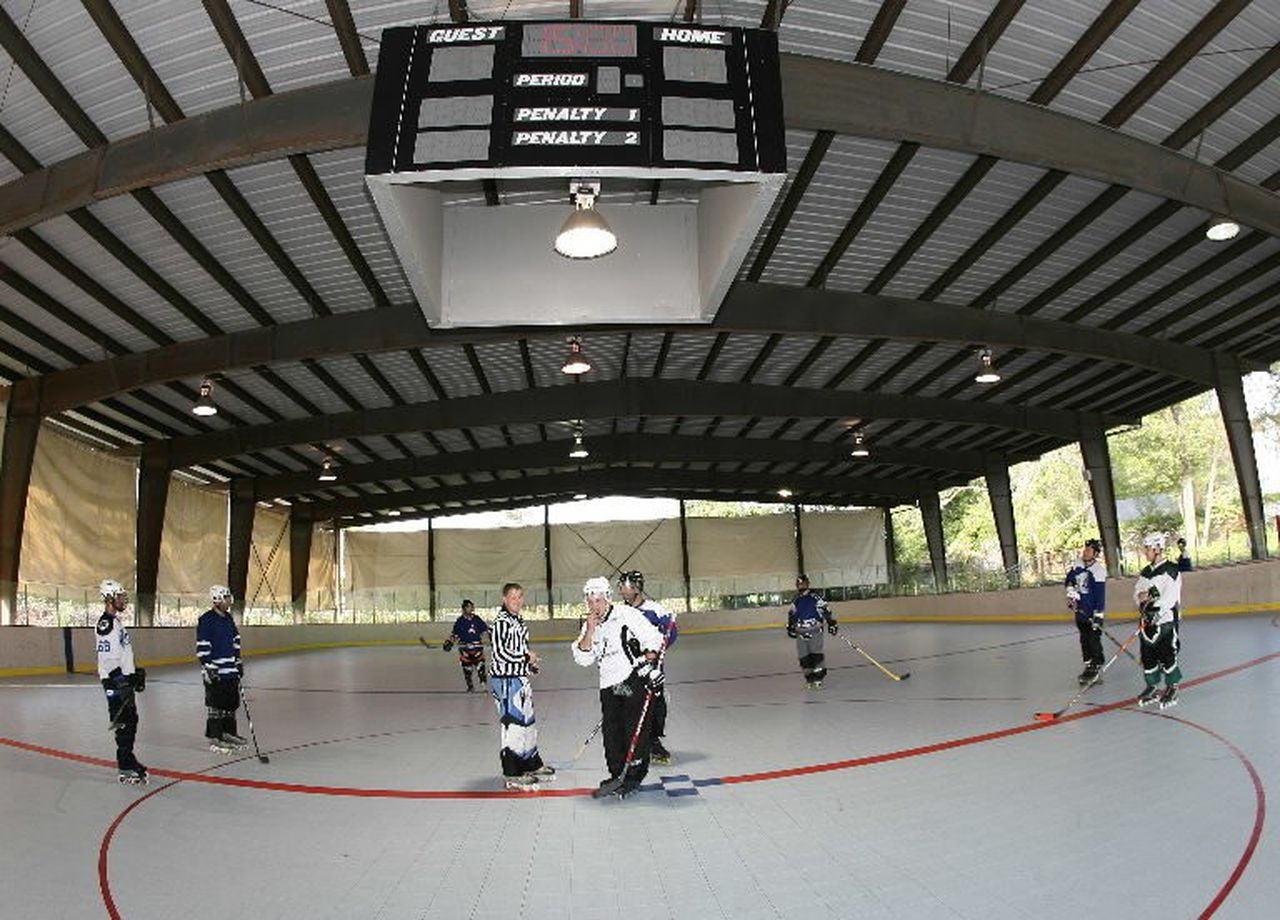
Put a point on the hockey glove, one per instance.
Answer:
(210, 675)
(652, 675)
(1096, 622)
(121, 683)
(1148, 610)
(138, 680)
(791, 631)
(448, 645)
(239, 669)
(833, 627)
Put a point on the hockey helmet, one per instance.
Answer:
(597, 587)
(634, 578)
(221, 593)
(110, 588)
(1093, 544)
(1153, 541)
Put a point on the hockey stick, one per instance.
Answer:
(262, 758)
(1057, 714)
(425, 642)
(124, 707)
(1118, 644)
(889, 674)
(614, 786)
(582, 748)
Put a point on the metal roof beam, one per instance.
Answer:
(627, 398)
(749, 308)
(625, 448)
(632, 480)
(819, 95)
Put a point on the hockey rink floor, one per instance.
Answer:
(935, 797)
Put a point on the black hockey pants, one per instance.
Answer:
(620, 708)
(124, 716)
(1090, 642)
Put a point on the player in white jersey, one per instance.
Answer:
(1158, 592)
(120, 679)
(626, 647)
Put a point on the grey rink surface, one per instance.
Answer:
(1121, 814)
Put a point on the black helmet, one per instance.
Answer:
(467, 604)
(1093, 544)
(634, 578)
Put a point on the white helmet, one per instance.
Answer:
(1154, 541)
(221, 593)
(110, 588)
(597, 587)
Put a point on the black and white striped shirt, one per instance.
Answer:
(510, 646)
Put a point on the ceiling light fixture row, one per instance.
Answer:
(586, 234)
(204, 406)
(1221, 228)
(328, 471)
(987, 372)
(576, 364)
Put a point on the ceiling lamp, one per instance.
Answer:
(576, 364)
(1221, 228)
(579, 496)
(393, 512)
(987, 372)
(328, 471)
(579, 451)
(860, 448)
(585, 235)
(204, 405)
(784, 493)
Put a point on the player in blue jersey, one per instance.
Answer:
(218, 650)
(1087, 598)
(631, 586)
(468, 633)
(805, 623)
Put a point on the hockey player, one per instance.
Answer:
(120, 679)
(513, 662)
(1087, 599)
(626, 646)
(1158, 592)
(1184, 560)
(218, 650)
(631, 586)
(805, 621)
(468, 631)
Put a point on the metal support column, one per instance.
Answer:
(1001, 494)
(244, 503)
(301, 529)
(1097, 471)
(153, 497)
(795, 510)
(931, 511)
(1235, 417)
(684, 560)
(546, 553)
(17, 455)
(890, 549)
(431, 569)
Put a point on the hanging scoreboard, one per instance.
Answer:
(609, 98)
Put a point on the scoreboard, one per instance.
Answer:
(607, 97)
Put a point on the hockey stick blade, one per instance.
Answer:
(1047, 716)
(425, 642)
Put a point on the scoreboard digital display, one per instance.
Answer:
(579, 94)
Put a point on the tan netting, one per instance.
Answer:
(193, 550)
(79, 526)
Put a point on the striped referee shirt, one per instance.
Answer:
(510, 646)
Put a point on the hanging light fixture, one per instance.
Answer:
(328, 471)
(784, 493)
(204, 405)
(585, 235)
(576, 364)
(987, 372)
(860, 448)
(579, 496)
(1221, 228)
(579, 451)
(393, 512)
